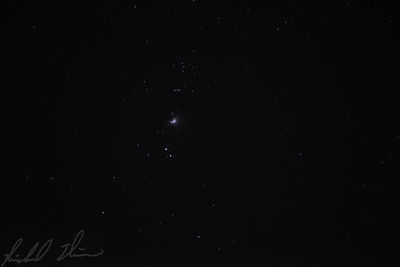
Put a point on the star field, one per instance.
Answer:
(199, 136)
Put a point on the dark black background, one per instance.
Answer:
(285, 151)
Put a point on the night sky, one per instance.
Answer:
(195, 135)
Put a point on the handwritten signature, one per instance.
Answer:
(36, 254)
